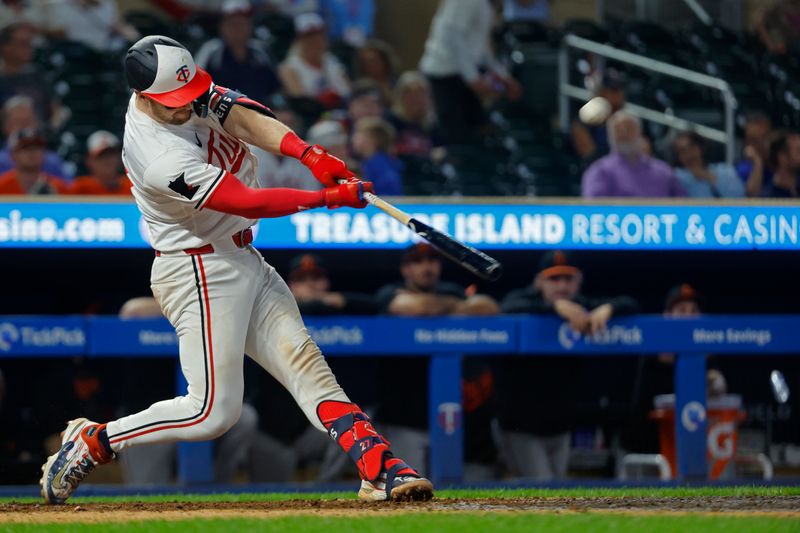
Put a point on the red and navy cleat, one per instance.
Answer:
(81, 451)
(398, 483)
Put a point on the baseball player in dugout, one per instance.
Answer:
(185, 149)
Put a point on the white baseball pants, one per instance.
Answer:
(224, 305)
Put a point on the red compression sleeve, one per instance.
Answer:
(293, 146)
(235, 198)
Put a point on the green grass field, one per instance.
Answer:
(729, 509)
(654, 492)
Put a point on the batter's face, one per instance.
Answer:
(559, 287)
(422, 274)
(167, 115)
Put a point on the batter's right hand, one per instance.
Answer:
(326, 168)
(350, 194)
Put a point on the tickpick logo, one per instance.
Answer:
(9, 334)
(567, 337)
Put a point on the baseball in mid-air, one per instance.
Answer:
(595, 111)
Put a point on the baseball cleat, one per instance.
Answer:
(81, 451)
(404, 489)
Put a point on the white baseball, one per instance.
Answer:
(595, 111)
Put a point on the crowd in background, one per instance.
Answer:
(339, 86)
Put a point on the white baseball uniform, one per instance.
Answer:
(223, 304)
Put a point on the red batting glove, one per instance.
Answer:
(325, 167)
(350, 194)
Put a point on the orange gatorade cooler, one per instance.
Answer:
(724, 416)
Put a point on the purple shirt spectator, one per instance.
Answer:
(614, 175)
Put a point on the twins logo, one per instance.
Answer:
(183, 73)
(449, 417)
(9, 334)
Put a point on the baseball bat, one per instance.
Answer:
(468, 257)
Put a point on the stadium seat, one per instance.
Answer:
(586, 28)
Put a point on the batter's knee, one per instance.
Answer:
(223, 416)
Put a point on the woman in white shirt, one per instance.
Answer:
(310, 70)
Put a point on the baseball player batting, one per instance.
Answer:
(186, 152)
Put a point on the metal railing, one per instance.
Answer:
(567, 91)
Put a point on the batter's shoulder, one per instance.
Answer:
(172, 159)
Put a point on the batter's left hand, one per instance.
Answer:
(326, 168)
(349, 194)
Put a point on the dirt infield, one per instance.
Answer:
(785, 506)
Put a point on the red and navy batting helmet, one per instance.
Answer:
(163, 70)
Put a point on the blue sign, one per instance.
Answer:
(498, 226)
(717, 334)
(112, 336)
(42, 336)
(402, 336)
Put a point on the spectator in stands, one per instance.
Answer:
(289, 172)
(93, 23)
(778, 26)
(28, 177)
(365, 102)
(413, 118)
(293, 8)
(456, 52)
(309, 282)
(235, 59)
(628, 171)
(422, 293)
(20, 77)
(557, 289)
(536, 410)
(18, 114)
(16, 11)
(784, 157)
(376, 61)
(526, 11)
(684, 301)
(590, 141)
(311, 71)
(104, 162)
(702, 180)
(754, 169)
(351, 21)
(372, 144)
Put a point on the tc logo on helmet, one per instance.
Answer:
(183, 73)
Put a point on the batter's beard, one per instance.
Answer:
(177, 120)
